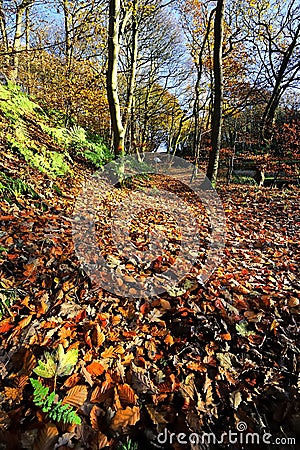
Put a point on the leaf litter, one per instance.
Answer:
(200, 358)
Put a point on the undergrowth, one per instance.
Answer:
(16, 108)
(15, 187)
(55, 409)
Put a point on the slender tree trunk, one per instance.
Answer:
(3, 29)
(278, 90)
(196, 107)
(15, 59)
(68, 39)
(27, 40)
(133, 67)
(68, 58)
(112, 76)
(17, 47)
(213, 164)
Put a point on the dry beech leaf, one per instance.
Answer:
(128, 358)
(235, 399)
(117, 403)
(119, 349)
(108, 352)
(6, 325)
(187, 388)
(156, 417)
(192, 365)
(21, 381)
(95, 413)
(95, 368)
(87, 375)
(169, 340)
(165, 304)
(72, 380)
(46, 438)
(102, 440)
(127, 395)
(24, 322)
(29, 363)
(12, 394)
(4, 420)
(125, 417)
(208, 391)
(101, 393)
(76, 396)
(143, 384)
(98, 336)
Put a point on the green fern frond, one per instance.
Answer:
(55, 410)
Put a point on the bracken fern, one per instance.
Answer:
(55, 410)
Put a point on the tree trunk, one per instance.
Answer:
(213, 164)
(278, 90)
(133, 67)
(3, 28)
(17, 47)
(15, 59)
(68, 40)
(27, 44)
(112, 77)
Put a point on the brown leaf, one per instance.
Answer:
(72, 380)
(117, 403)
(95, 413)
(4, 420)
(29, 363)
(169, 340)
(87, 376)
(5, 325)
(101, 393)
(12, 394)
(46, 438)
(196, 366)
(156, 417)
(127, 395)
(76, 396)
(142, 383)
(125, 417)
(102, 440)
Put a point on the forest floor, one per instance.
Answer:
(208, 359)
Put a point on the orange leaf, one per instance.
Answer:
(95, 368)
(98, 336)
(5, 325)
(108, 353)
